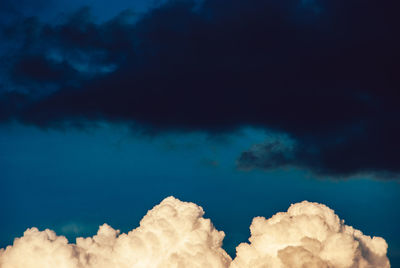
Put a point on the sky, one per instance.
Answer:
(243, 108)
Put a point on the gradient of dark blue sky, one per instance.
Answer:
(73, 180)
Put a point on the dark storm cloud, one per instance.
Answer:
(324, 72)
(12, 9)
(338, 159)
(39, 69)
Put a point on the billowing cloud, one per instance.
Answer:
(175, 234)
(172, 234)
(309, 235)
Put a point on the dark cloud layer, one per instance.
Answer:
(324, 72)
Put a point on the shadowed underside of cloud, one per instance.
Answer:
(175, 234)
(323, 72)
(336, 160)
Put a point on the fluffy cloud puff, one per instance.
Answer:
(172, 234)
(309, 235)
(175, 234)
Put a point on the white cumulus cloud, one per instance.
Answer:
(175, 234)
(309, 235)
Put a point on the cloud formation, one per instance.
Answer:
(172, 234)
(175, 234)
(323, 72)
(309, 235)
